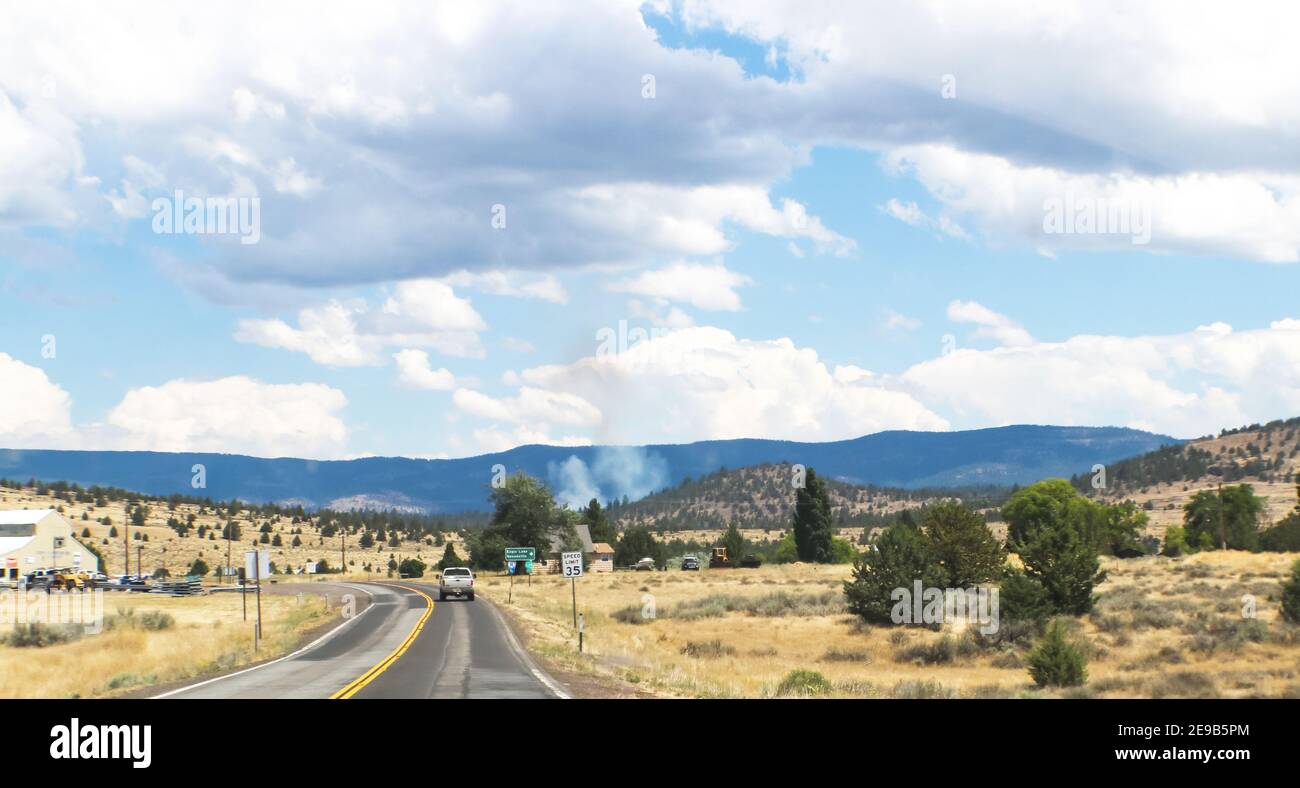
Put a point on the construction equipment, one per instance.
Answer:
(720, 559)
(69, 579)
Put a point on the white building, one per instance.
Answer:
(33, 539)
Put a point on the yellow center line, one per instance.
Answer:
(373, 673)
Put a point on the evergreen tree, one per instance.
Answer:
(636, 543)
(1229, 519)
(812, 520)
(899, 557)
(1056, 661)
(597, 520)
(525, 514)
(1064, 561)
(734, 541)
(1291, 595)
(962, 544)
(449, 557)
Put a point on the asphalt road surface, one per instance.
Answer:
(404, 644)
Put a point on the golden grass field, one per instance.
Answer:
(209, 635)
(167, 550)
(1162, 628)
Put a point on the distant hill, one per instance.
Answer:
(762, 497)
(997, 456)
(1266, 456)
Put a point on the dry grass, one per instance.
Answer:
(207, 634)
(176, 554)
(1163, 628)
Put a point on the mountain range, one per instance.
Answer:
(995, 456)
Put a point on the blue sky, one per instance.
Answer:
(827, 223)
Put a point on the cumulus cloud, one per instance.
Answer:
(703, 382)
(418, 313)
(415, 370)
(1251, 214)
(367, 173)
(35, 412)
(992, 325)
(1185, 385)
(236, 414)
(711, 287)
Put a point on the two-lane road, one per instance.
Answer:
(403, 645)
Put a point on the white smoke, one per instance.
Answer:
(615, 471)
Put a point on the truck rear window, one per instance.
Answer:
(456, 573)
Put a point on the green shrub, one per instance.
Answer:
(156, 620)
(1291, 595)
(412, 567)
(630, 615)
(41, 635)
(803, 683)
(1175, 542)
(1022, 598)
(921, 690)
(1056, 661)
(708, 649)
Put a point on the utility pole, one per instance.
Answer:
(126, 547)
(343, 539)
(139, 568)
(229, 533)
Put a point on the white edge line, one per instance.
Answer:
(318, 641)
(539, 674)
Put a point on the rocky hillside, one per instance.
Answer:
(1266, 456)
(762, 497)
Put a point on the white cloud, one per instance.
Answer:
(911, 214)
(326, 333)
(703, 383)
(1185, 385)
(992, 325)
(414, 370)
(1251, 214)
(418, 314)
(35, 412)
(532, 406)
(236, 414)
(677, 220)
(375, 140)
(545, 287)
(897, 321)
(711, 287)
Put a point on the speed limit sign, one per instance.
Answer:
(572, 564)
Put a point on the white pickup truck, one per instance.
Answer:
(456, 581)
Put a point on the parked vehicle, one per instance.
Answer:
(690, 563)
(645, 565)
(751, 561)
(720, 559)
(456, 581)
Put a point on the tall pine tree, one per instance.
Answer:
(812, 520)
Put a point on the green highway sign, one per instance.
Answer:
(521, 554)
